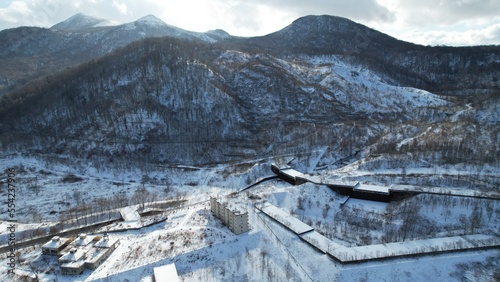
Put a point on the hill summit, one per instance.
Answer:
(82, 21)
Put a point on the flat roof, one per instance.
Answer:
(292, 172)
(79, 241)
(73, 264)
(372, 188)
(95, 254)
(130, 214)
(166, 273)
(105, 243)
(72, 257)
(52, 244)
(285, 218)
(235, 208)
(339, 182)
(316, 239)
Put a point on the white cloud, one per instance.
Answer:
(454, 22)
(122, 7)
(482, 36)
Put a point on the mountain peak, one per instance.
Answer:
(218, 33)
(151, 20)
(330, 35)
(322, 23)
(82, 21)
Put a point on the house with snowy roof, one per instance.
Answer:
(84, 252)
(73, 262)
(55, 246)
(101, 250)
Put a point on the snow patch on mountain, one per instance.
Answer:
(152, 21)
(82, 21)
(356, 87)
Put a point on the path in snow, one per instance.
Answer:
(405, 141)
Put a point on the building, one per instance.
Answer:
(233, 216)
(55, 246)
(84, 252)
(289, 175)
(101, 251)
(166, 273)
(83, 240)
(352, 189)
(73, 262)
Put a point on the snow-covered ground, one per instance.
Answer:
(204, 250)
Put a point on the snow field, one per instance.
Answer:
(204, 250)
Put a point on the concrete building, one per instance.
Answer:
(73, 262)
(55, 246)
(85, 252)
(233, 216)
(289, 175)
(83, 240)
(352, 189)
(101, 251)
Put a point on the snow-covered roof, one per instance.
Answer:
(316, 239)
(105, 242)
(372, 188)
(55, 243)
(166, 273)
(72, 256)
(83, 240)
(230, 205)
(130, 214)
(412, 247)
(292, 172)
(285, 218)
(336, 182)
(95, 254)
(73, 264)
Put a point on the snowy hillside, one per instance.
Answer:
(28, 53)
(205, 250)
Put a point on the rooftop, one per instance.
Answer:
(95, 254)
(292, 172)
(166, 273)
(372, 188)
(230, 205)
(73, 255)
(105, 242)
(55, 243)
(83, 240)
(285, 218)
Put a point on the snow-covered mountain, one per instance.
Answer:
(312, 85)
(82, 21)
(452, 70)
(27, 53)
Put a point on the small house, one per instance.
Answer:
(73, 263)
(55, 246)
(101, 251)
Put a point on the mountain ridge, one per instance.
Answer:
(28, 53)
(179, 100)
(410, 64)
(82, 21)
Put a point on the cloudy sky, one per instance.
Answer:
(428, 22)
